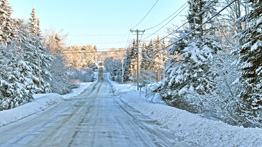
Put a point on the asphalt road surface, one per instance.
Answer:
(96, 118)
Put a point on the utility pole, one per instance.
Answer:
(137, 40)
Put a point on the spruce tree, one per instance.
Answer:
(158, 59)
(15, 78)
(189, 70)
(40, 58)
(251, 60)
(6, 23)
(34, 23)
(149, 57)
(130, 57)
(143, 60)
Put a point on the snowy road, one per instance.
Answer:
(94, 118)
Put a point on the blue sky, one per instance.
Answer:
(105, 23)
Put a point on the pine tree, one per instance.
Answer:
(6, 23)
(34, 23)
(158, 59)
(190, 70)
(149, 56)
(144, 59)
(251, 60)
(40, 57)
(129, 59)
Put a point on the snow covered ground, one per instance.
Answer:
(40, 103)
(189, 127)
(186, 126)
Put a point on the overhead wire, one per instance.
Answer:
(78, 52)
(94, 35)
(192, 30)
(177, 29)
(146, 14)
(179, 12)
(167, 17)
(99, 35)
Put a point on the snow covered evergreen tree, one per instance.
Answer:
(159, 59)
(189, 71)
(153, 61)
(251, 61)
(149, 56)
(6, 23)
(40, 58)
(130, 56)
(15, 78)
(27, 50)
(34, 23)
(144, 57)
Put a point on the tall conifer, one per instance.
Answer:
(251, 59)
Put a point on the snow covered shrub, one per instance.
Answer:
(93, 66)
(82, 75)
(148, 77)
(114, 67)
(60, 81)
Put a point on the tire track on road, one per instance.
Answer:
(160, 136)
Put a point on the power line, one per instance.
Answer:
(146, 14)
(75, 52)
(179, 26)
(98, 35)
(183, 8)
(97, 43)
(166, 18)
(192, 30)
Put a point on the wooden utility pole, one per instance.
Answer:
(137, 40)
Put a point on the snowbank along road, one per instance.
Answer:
(94, 118)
